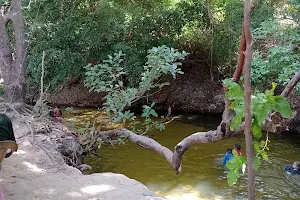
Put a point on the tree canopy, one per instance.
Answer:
(75, 33)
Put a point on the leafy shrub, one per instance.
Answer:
(278, 62)
(109, 77)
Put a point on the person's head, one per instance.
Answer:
(296, 165)
(237, 147)
(229, 151)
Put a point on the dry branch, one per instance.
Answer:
(291, 85)
(173, 158)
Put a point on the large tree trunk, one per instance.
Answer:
(13, 54)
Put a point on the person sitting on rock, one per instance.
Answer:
(6, 131)
(56, 114)
(293, 169)
(227, 156)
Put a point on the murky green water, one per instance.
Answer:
(202, 177)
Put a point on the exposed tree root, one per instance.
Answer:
(37, 123)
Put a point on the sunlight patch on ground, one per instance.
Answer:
(74, 194)
(110, 174)
(26, 143)
(202, 191)
(33, 167)
(45, 191)
(20, 152)
(95, 189)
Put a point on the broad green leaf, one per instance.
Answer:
(235, 122)
(257, 162)
(232, 177)
(262, 113)
(282, 106)
(234, 152)
(232, 164)
(256, 146)
(153, 113)
(243, 159)
(256, 130)
(262, 143)
(264, 155)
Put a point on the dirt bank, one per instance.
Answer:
(31, 174)
(194, 91)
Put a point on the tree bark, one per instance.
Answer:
(173, 158)
(247, 99)
(240, 65)
(13, 68)
(290, 86)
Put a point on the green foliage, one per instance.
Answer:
(77, 32)
(279, 62)
(88, 137)
(234, 165)
(110, 76)
(261, 105)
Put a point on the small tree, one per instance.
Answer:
(13, 52)
(109, 78)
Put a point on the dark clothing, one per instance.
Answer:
(291, 170)
(226, 158)
(6, 130)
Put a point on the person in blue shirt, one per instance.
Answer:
(293, 169)
(227, 156)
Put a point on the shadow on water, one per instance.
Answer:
(202, 176)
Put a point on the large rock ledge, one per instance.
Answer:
(30, 174)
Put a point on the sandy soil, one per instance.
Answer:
(30, 174)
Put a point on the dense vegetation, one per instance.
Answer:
(75, 33)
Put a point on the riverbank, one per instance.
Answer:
(41, 173)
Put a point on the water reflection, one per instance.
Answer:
(202, 177)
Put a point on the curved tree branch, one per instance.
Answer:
(239, 69)
(141, 140)
(290, 86)
(173, 158)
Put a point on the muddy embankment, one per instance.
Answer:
(194, 91)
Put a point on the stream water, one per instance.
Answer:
(202, 176)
